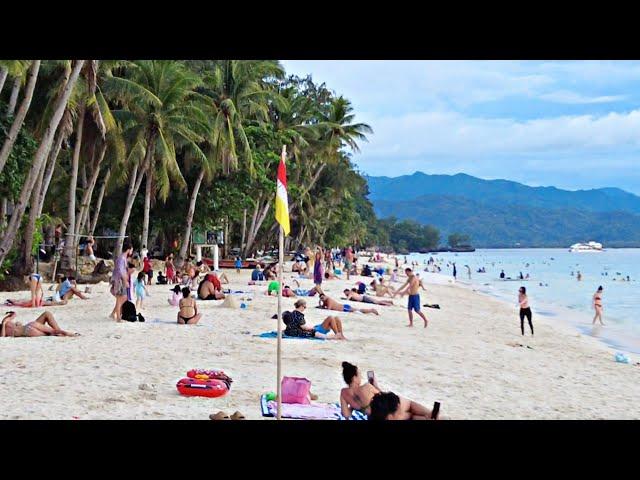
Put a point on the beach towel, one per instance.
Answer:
(313, 411)
(274, 334)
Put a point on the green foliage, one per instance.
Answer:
(458, 240)
(409, 235)
(14, 172)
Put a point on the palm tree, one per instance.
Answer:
(20, 115)
(41, 154)
(163, 113)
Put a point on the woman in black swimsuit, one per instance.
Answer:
(188, 314)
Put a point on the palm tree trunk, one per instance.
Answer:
(244, 229)
(3, 76)
(88, 192)
(70, 244)
(51, 166)
(25, 265)
(22, 113)
(187, 228)
(39, 157)
(134, 186)
(147, 206)
(253, 234)
(3, 214)
(96, 214)
(13, 98)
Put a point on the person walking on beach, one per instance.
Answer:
(348, 261)
(89, 250)
(317, 268)
(525, 309)
(120, 280)
(412, 285)
(597, 305)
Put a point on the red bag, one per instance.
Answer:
(296, 390)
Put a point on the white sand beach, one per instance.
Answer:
(463, 359)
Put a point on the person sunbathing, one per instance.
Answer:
(43, 303)
(188, 314)
(296, 325)
(382, 290)
(354, 296)
(356, 396)
(330, 275)
(210, 288)
(331, 304)
(44, 325)
(389, 406)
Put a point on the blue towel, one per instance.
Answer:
(274, 334)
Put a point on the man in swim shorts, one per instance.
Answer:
(412, 286)
(354, 296)
(331, 304)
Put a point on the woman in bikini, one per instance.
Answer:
(35, 282)
(359, 396)
(170, 269)
(44, 325)
(188, 314)
(597, 305)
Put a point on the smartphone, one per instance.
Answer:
(435, 411)
(370, 376)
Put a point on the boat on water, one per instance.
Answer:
(586, 247)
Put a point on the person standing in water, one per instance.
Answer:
(455, 272)
(579, 276)
(525, 309)
(468, 271)
(597, 305)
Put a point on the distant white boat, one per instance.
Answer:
(586, 247)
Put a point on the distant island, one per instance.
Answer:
(506, 214)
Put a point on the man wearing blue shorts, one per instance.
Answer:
(411, 286)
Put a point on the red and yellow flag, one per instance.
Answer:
(282, 202)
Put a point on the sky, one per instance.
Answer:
(569, 124)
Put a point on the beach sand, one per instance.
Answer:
(463, 359)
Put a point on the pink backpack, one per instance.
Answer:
(296, 390)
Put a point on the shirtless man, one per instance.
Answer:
(348, 261)
(412, 286)
(331, 304)
(354, 296)
(90, 244)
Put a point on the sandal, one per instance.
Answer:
(313, 396)
(238, 416)
(219, 416)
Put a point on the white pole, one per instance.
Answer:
(215, 258)
(279, 370)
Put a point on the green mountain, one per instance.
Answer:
(501, 213)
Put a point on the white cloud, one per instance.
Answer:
(566, 96)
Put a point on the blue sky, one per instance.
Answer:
(572, 124)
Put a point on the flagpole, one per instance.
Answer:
(280, 270)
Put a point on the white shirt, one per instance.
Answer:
(144, 252)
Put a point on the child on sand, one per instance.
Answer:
(238, 264)
(176, 296)
(141, 290)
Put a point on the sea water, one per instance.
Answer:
(553, 287)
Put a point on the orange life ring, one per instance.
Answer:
(195, 387)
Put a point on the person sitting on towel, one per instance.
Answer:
(210, 288)
(296, 325)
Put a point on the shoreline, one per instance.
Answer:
(468, 359)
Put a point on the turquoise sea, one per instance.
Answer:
(553, 287)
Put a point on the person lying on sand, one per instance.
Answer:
(331, 304)
(382, 290)
(296, 325)
(330, 275)
(354, 296)
(389, 406)
(27, 303)
(188, 314)
(208, 290)
(44, 325)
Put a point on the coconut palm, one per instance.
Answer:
(163, 113)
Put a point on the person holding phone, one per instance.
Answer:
(359, 397)
(525, 309)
